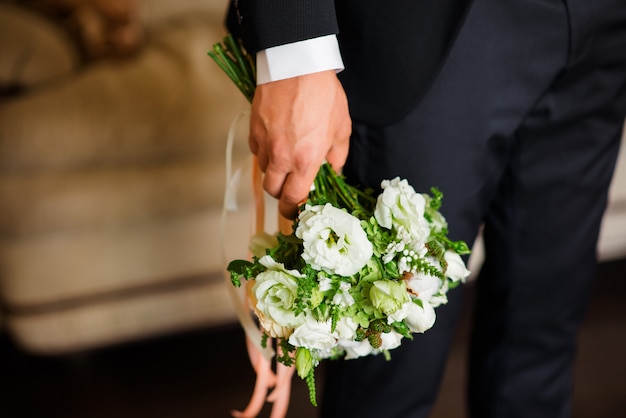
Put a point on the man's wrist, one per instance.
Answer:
(298, 58)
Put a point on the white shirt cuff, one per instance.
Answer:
(298, 58)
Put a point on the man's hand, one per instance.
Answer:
(296, 124)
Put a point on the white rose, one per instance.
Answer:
(456, 269)
(313, 334)
(420, 319)
(272, 296)
(399, 205)
(333, 240)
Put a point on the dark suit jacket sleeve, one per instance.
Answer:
(262, 24)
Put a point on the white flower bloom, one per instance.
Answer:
(400, 314)
(270, 264)
(392, 249)
(356, 349)
(424, 286)
(399, 205)
(456, 267)
(346, 328)
(325, 283)
(318, 335)
(404, 236)
(333, 240)
(420, 250)
(440, 298)
(390, 340)
(404, 265)
(388, 296)
(343, 298)
(313, 334)
(324, 354)
(272, 296)
(420, 319)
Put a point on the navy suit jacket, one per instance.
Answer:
(391, 51)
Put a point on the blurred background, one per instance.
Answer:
(113, 126)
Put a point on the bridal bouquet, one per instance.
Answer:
(359, 272)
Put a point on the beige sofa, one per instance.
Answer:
(112, 179)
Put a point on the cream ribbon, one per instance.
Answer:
(260, 357)
(230, 205)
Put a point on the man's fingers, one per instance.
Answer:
(338, 154)
(295, 124)
(280, 188)
(291, 190)
(295, 192)
(252, 143)
(263, 161)
(273, 182)
(288, 210)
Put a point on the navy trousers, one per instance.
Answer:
(520, 130)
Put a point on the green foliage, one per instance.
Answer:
(330, 187)
(436, 198)
(335, 312)
(306, 286)
(402, 329)
(285, 353)
(310, 383)
(288, 251)
(245, 269)
(425, 267)
(459, 247)
(380, 237)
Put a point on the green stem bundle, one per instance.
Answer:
(233, 59)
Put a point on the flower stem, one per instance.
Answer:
(332, 188)
(232, 58)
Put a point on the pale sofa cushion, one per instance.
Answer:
(189, 304)
(169, 101)
(35, 203)
(33, 50)
(156, 11)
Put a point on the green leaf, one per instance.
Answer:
(239, 266)
(402, 329)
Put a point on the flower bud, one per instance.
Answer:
(304, 362)
(456, 269)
